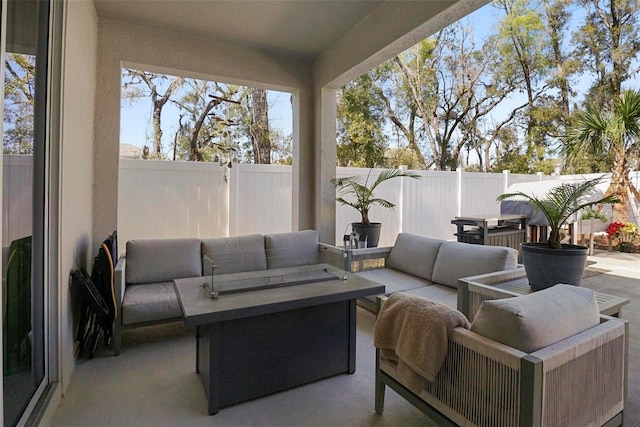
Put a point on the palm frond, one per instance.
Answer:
(355, 192)
(562, 201)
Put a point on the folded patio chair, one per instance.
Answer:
(94, 315)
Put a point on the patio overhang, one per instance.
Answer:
(308, 48)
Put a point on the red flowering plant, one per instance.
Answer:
(614, 228)
(623, 232)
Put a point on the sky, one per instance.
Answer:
(136, 128)
(135, 119)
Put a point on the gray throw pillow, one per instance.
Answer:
(415, 255)
(234, 254)
(537, 320)
(291, 249)
(162, 260)
(457, 260)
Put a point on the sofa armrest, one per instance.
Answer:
(119, 279)
(354, 260)
(593, 362)
(367, 258)
(471, 295)
(119, 288)
(477, 384)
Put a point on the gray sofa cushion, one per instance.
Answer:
(531, 322)
(291, 249)
(162, 260)
(456, 260)
(149, 303)
(414, 254)
(234, 254)
(442, 294)
(393, 280)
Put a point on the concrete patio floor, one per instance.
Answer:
(153, 382)
(620, 275)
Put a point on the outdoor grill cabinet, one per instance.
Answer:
(492, 230)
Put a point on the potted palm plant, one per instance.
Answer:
(355, 192)
(547, 264)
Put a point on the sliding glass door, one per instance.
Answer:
(24, 201)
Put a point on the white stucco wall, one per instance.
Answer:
(165, 51)
(76, 162)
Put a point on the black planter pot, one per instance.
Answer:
(626, 247)
(546, 267)
(370, 232)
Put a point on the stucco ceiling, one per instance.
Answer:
(301, 28)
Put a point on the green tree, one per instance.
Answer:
(454, 91)
(144, 84)
(205, 126)
(606, 46)
(615, 134)
(19, 92)
(557, 16)
(360, 115)
(525, 59)
(260, 135)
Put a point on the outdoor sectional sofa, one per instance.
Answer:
(427, 267)
(144, 275)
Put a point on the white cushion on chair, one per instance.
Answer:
(537, 320)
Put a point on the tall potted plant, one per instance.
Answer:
(549, 263)
(355, 192)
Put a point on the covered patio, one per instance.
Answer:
(153, 381)
(306, 48)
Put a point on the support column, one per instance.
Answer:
(106, 148)
(325, 163)
(314, 164)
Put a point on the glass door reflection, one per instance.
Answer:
(23, 153)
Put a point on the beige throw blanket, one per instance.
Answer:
(416, 329)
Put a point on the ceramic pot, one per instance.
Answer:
(546, 267)
(370, 232)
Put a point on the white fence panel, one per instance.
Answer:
(516, 178)
(176, 199)
(17, 197)
(479, 192)
(158, 199)
(261, 199)
(430, 203)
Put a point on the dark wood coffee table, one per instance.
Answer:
(254, 343)
(472, 291)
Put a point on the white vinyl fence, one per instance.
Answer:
(177, 199)
(158, 199)
(427, 205)
(189, 199)
(17, 197)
